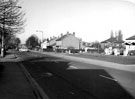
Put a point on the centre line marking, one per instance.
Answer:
(108, 78)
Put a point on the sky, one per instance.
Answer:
(91, 20)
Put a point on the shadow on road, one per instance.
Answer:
(90, 83)
(1, 69)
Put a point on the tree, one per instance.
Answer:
(11, 16)
(11, 20)
(112, 36)
(32, 41)
(97, 45)
(120, 35)
(14, 42)
(17, 42)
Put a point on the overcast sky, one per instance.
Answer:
(90, 19)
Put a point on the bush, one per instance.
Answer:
(95, 50)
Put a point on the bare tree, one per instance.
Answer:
(11, 20)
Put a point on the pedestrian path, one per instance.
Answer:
(13, 83)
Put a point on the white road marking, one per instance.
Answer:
(71, 93)
(74, 67)
(47, 74)
(108, 78)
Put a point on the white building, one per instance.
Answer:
(44, 45)
(130, 44)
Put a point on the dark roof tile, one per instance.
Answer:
(64, 36)
(131, 38)
(112, 40)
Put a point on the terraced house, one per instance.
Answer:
(68, 41)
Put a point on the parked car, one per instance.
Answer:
(24, 49)
(131, 53)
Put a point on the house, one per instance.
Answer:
(114, 42)
(130, 43)
(68, 41)
(111, 42)
(113, 45)
(52, 42)
(44, 45)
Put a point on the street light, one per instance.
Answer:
(3, 30)
(42, 34)
(42, 38)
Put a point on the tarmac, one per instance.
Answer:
(16, 82)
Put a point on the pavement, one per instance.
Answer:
(13, 83)
(16, 82)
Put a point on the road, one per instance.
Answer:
(66, 79)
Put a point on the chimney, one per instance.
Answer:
(111, 36)
(61, 34)
(67, 32)
(50, 38)
(73, 33)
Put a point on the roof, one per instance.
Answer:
(113, 40)
(131, 38)
(53, 44)
(54, 39)
(62, 37)
(119, 41)
(109, 40)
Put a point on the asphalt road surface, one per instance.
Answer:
(64, 79)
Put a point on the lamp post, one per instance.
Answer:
(40, 32)
(3, 30)
(42, 36)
